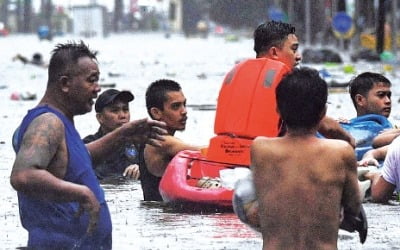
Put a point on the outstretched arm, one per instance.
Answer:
(371, 157)
(381, 190)
(136, 132)
(385, 138)
(331, 129)
(157, 158)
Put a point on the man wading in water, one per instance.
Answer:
(60, 200)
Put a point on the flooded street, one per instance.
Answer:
(132, 62)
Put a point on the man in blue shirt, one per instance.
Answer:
(61, 203)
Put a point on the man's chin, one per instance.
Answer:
(82, 112)
(386, 114)
(181, 129)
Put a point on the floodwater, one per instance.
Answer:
(132, 62)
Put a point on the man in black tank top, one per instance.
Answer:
(165, 102)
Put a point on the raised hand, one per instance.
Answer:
(145, 131)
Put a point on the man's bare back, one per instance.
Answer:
(303, 182)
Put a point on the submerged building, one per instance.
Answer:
(89, 20)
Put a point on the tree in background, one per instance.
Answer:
(27, 20)
(4, 12)
(118, 15)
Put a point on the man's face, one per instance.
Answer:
(289, 53)
(378, 100)
(84, 86)
(174, 113)
(114, 116)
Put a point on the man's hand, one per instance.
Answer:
(372, 175)
(132, 171)
(91, 205)
(342, 120)
(145, 131)
(368, 161)
(138, 132)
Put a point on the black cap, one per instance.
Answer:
(109, 96)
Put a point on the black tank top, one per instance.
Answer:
(148, 181)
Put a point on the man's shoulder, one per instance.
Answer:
(264, 139)
(46, 121)
(46, 131)
(336, 144)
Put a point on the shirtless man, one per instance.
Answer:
(61, 203)
(278, 41)
(302, 181)
(165, 102)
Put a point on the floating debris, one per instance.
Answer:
(202, 76)
(24, 96)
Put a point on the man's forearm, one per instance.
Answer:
(101, 148)
(331, 129)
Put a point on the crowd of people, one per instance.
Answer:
(56, 174)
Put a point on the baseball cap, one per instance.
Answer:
(109, 96)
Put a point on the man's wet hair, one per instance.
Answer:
(364, 82)
(270, 34)
(65, 57)
(301, 98)
(156, 93)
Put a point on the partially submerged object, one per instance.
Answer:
(246, 108)
(320, 56)
(23, 96)
(190, 178)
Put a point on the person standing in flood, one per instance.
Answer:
(302, 181)
(165, 102)
(61, 203)
(278, 41)
(112, 111)
(371, 94)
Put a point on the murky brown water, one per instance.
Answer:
(199, 65)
